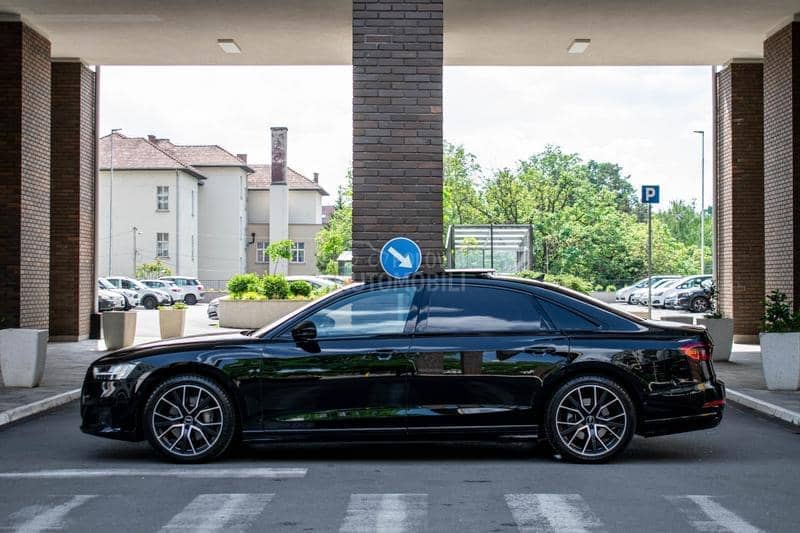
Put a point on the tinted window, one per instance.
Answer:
(470, 309)
(565, 319)
(379, 312)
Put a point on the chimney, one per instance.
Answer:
(316, 177)
(152, 138)
(243, 157)
(279, 155)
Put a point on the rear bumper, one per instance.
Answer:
(702, 409)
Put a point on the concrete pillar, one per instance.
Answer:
(72, 200)
(397, 129)
(782, 161)
(24, 176)
(279, 196)
(739, 189)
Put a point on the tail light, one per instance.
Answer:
(176, 290)
(699, 351)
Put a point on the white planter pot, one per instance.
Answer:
(171, 322)
(721, 332)
(683, 319)
(119, 329)
(780, 360)
(250, 314)
(22, 356)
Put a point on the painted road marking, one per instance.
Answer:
(552, 512)
(42, 517)
(193, 473)
(219, 512)
(707, 515)
(386, 513)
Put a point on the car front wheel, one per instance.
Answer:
(190, 299)
(189, 419)
(149, 302)
(590, 419)
(699, 305)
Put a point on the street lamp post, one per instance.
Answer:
(111, 201)
(702, 200)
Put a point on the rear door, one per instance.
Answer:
(480, 353)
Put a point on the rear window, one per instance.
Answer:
(567, 320)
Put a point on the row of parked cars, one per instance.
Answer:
(123, 293)
(690, 293)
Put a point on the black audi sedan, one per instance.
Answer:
(454, 356)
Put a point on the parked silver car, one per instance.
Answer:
(665, 291)
(191, 286)
(176, 293)
(109, 301)
(149, 298)
(625, 293)
(131, 296)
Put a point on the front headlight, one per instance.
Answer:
(112, 372)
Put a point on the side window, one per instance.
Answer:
(378, 312)
(565, 319)
(126, 284)
(472, 309)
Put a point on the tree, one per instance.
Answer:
(460, 194)
(279, 250)
(153, 270)
(337, 234)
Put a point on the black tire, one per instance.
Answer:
(700, 304)
(149, 302)
(170, 418)
(608, 434)
(190, 299)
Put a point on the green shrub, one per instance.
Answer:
(300, 288)
(570, 282)
(322, 291)
(778, 316)
(598, 288)
(241, 283)
(611, 288)
(530, 274)
(253, 296)
(274, 287)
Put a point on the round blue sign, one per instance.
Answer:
(400, 257)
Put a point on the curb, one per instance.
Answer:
(769, 409)
(24, 411)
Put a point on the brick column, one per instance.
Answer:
(24, 176)
(397, 129)
(782, 161)
(72, 200)
(740, 194)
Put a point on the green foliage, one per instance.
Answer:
(778, 315)
(153, 270)
(252, 296)
(179, 305)
(300, 288)
(530, 274)
(274, 287)
(611, 288)
(570, 282)
(279, 250)
(714, 312)
(241, 283)
(322, 291)
(337, 235)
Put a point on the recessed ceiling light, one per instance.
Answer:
(578, 46)
(229, 46)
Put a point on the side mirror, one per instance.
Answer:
(305, 331)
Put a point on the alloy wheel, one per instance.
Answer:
(187, 420)
(700, 305)
(591, 420)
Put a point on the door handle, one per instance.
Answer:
(540, 350)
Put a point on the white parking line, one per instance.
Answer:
(219, 512)
(385, 513)
(707, 515)
(552, 512)
(192, 473)
(48, 517)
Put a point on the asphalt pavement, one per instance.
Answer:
(741, 476)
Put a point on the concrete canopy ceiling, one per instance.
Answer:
(477, 32)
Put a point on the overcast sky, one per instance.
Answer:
(639, 117)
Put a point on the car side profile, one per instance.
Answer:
(454, 357)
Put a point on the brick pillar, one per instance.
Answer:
(740, 194)
(397, 129)
(782, 161)
(24, 176)
(72, 200)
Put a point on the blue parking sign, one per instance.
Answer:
(650, 194)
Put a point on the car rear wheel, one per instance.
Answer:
(590, 419)
(189, 419)
(700, 305)
(149, 302)
(190, 299)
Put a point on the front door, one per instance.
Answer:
(352, 376)
(479, 355)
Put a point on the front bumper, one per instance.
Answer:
(109, 409)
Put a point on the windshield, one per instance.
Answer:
(105, 284)
(138, 284)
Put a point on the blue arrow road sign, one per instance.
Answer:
(400, 257)
(650, 194)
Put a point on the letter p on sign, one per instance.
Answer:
(650, 194)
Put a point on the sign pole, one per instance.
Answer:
(650, 261)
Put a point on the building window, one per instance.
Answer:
(162, 244)
(262, 257)
(162, 198)
(298, 252)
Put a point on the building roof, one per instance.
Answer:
(201, 155)
(137, 153)
(261, 178)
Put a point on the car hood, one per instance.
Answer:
(193, 342)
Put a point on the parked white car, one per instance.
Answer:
(149, 298)
(316, 283)
(131, 296)
(683, 284)
(191, 286)
(639, 296)
(176, 293)
(625, 293)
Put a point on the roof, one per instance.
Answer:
(202, 155)
(261, 178)
(137, 153)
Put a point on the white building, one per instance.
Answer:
(200, 209)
